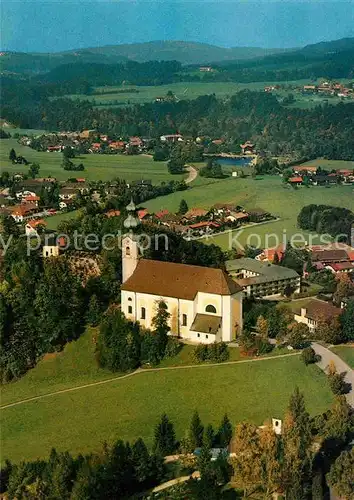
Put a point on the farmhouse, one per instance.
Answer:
(247, 148)
(260, 279)
(32, 227)
(315, 311)
(205, 304)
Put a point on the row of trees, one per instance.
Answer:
(325, 219)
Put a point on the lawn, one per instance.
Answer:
(97, 167)
(346, 352)
(55, 220)
(268, 193)
(80, 421)
(331, 164)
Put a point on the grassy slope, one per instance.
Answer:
(97, 167)
(346, 352)
(268, 193)
(81, 420)
(192, 90)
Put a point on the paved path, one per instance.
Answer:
(193, 174)
(341, 366)
(143, 371)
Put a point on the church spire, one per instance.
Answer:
(131, 222)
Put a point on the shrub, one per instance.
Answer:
(263, 346)
(216, 352)
(309, 356)
(173, 347)
(337, 383)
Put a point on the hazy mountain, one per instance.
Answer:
(184, 52)
(323, 48)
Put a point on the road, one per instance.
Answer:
(326, 357)
(193, 174)
(143, 371)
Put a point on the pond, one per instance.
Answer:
(234, 162)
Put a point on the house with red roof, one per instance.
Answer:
(33, 226)
(30, 200)
(247, 148)
(295, 181)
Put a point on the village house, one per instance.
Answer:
(33, 226)
(20, 212)
(205, 227)
(30, 199)
(341, 267)
(67, 203)
(171, 138)
(295, 181)
(205, 304)
(305, 169)
(268, 254)
(262, 279)
(247, 148)
(117, 145)
(53, 246)
(67, 193)
(315, 311)
(237, 217)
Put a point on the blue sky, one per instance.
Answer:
(49, 26)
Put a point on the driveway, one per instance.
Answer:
(193, 174)
(326, 357)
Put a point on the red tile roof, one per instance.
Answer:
(161, 213)
(142, 213)
(295, 179)
(36, 222)
(112, 213)
(204, 224)
(182, 281)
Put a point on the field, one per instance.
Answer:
(82, 420)
(268, 193)
(97, 167)
(331, 164)
(106, 96)
(346, 352)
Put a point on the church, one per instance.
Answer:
(204, 303)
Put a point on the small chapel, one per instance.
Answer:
(205, 304)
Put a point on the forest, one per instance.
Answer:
(325, 131)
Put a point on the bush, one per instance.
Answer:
(263, 346)
(308, 356)
(173, 347)
(216, 352)
(337, 383)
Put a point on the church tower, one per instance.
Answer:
(130, 248)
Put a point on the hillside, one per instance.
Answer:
(184, 52)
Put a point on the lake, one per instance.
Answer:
(234, 162)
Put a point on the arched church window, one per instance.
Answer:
(127, 251)
(130, 299)
(210, 309)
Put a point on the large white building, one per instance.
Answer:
(205, 304)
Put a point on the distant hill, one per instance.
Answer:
(323, 48)
(183, 52)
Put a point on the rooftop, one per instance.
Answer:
(318, 309)
(267, 272)
(179, 280)
(206, 323)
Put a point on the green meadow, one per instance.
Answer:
(346, 352)
(124, 95)
(81, 420)
(268, 193)
(97, 167)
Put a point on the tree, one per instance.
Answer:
(298, 334)
(165, 438)
(329, 330)
(141, 461)
(347, 322)
(118, 344)
(276, 260)
(12, 155)
(34, 170)
(340, 476)
(209, 436)
(345, 289)
(196, 430)
(297, 441)
(308, 356)
(246, 463)
(183, 207)
(68, 152)
(161, 327)
(317, 486)
(225, 432)
(94, 313)
(270, 465)
(262, 327)
(337, 383)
